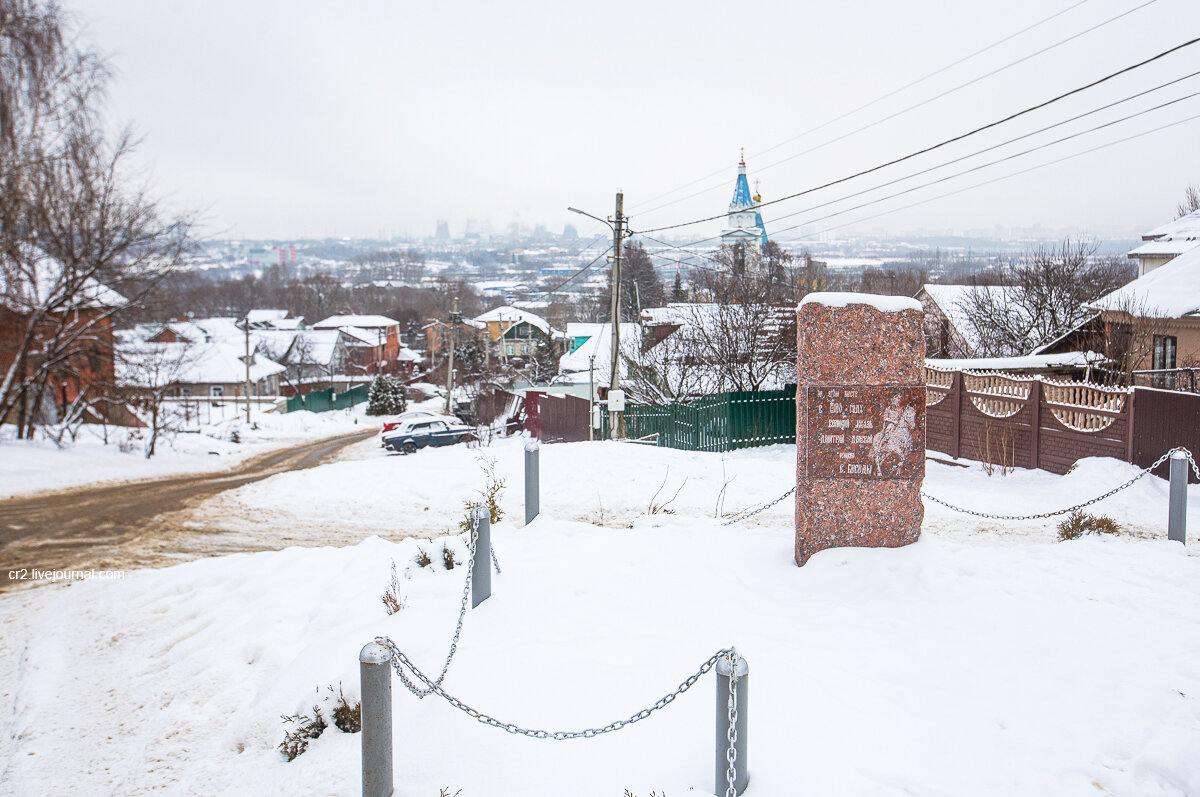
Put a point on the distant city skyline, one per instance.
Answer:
(296, 121)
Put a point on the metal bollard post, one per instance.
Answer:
(532, 497)
(375, 673)
(1177, 514)
(481, 568)
(742, 776)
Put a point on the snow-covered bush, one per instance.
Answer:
(393, 601)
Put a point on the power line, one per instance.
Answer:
(1001, 177)
(574, 276)
(864, 106)
(959, 174)
(991, 148)
(952, 140)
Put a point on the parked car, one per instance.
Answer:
(393, 423)
(419, 432)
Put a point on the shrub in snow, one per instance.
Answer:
(1078, 524)
(386, 396)
(307, 728)
(393, 601)
(448, 557)
(423, 559)
(493, 486)
(347, 716)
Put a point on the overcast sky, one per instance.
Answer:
(306, 119)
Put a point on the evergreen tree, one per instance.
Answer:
(543, 365)
(386, 396)
(677, 294)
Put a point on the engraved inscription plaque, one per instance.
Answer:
(865, 431)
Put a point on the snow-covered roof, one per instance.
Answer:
(264, 316)
(357, 336)
(368, 321)
(1183, 227)
(314, 347)
(1169, 291)
(159, 364)
(1166, 246)
(598, 345)
(513, 316)
(46, 282)
(952, 301)
(1031, 361)
(742, 198)
(274, 343)
(407, 355)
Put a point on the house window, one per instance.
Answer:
(509, 350)
(217, 391)
(1164, 352)
(185, 391)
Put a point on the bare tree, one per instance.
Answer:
(78, 244)
(1190, 203)
(1046, 296)
(147, 374)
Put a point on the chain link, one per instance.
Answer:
(753, 512)
(462, 613)
(731, 731)
(400, 663)
(1077, 507)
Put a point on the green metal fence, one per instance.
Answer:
(325, 400)
(723, 422)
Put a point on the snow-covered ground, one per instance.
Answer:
(612, 484)
(987, 659)
(118, 454)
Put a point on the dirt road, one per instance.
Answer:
(93, 527)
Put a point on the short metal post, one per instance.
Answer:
(532, 498)
(375, 672)
(481, 568)
(1177, 516)
(742, 776)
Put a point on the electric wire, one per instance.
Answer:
(993, 147)
(951, 140)
(574, 276)
(862, 107)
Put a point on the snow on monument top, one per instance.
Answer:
(886, 304)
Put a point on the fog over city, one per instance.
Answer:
(378, 119)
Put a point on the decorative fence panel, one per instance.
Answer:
(1034, 422)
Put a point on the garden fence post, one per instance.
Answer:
(742, 777)
(1177, 515)
(532, 498)
(375, 672)
(481, 567)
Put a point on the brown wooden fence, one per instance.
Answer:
(1041, 423)
(557, 419)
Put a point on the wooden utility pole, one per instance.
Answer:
(614, 382)
(455, 319)
(247, 329)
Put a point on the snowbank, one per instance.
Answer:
(614, 484)
(947, 667)
(118, 454)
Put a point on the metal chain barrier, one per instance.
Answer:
(731, 733)
(462, 613)
(753, 512)
(400, 663)
(1077, 507)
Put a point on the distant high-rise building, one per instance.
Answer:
(443, 230)
(569, 233)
